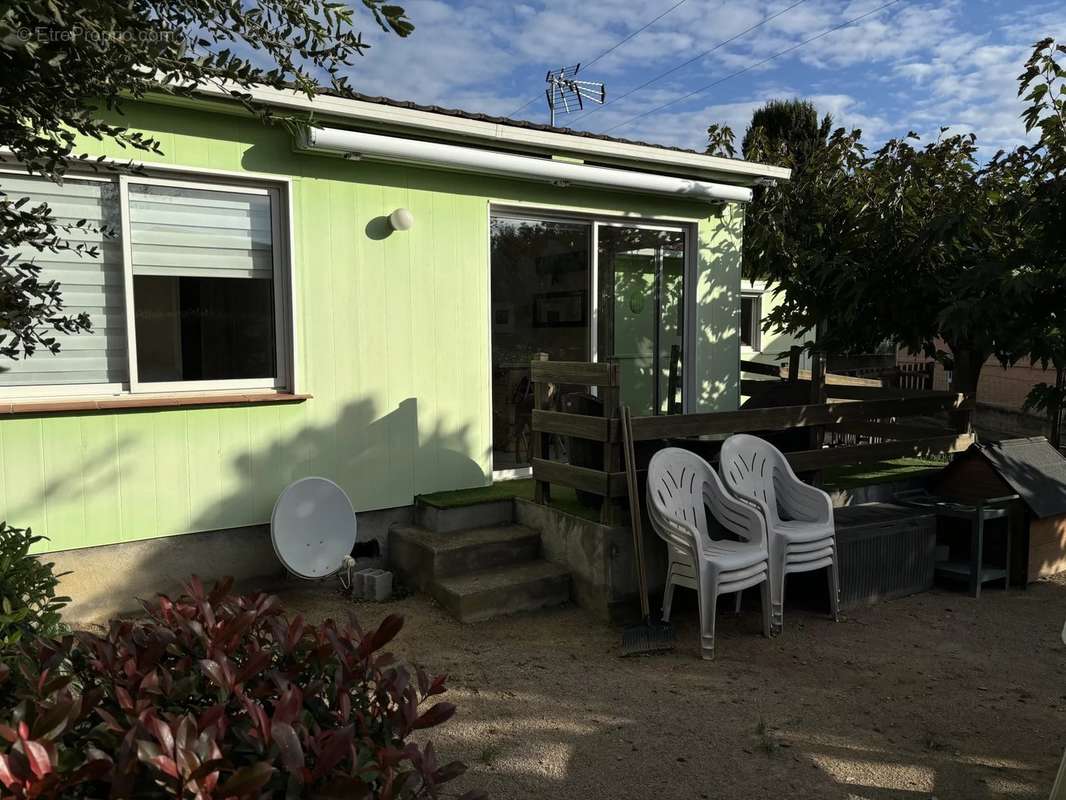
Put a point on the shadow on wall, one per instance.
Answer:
(354, 449)
(718, 307)
(378, 228)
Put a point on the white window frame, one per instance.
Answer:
(280, 380)
(756, 344)
(279, 189)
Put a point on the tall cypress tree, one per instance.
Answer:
(785, 132)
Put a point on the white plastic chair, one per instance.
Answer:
(799, 517)
(681, 487)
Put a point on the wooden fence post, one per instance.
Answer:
(794, 363)
(929, 375)
(611, 396)
(541, 489)
(818, 394)
(817, 397)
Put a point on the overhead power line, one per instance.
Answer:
(692, 60)
(750, 67)
(608, 51)
(643, 28)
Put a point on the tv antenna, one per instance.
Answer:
(565, 93)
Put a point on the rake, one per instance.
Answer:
(645, 636)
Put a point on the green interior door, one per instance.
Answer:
(641, 320)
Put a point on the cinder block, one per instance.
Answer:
(378, 586)
(360, 582)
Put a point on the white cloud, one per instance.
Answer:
(916, 65)
(688, 128)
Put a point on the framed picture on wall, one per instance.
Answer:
(560, 309)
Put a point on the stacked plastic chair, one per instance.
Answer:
(681, 487)
(799, 517)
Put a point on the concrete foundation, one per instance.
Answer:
(600, 559)
(104, 582)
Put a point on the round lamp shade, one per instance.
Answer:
(401, 219)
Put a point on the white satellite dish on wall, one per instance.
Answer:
(313, 527)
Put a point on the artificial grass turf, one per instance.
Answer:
(562, 498)
(852, 476)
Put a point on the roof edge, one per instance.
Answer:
(466, 127)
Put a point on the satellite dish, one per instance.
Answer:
(313, 527)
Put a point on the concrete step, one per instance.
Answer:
(422, 556)
(490, 593)
(478, 515)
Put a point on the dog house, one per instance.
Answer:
(1036, 472)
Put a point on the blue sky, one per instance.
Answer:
(912, 66)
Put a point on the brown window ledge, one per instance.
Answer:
(133, 401)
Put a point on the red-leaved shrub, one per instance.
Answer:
(217, 696)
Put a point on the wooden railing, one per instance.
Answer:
(906, 380)
(608, 481)
(867, 410)
(912, 375)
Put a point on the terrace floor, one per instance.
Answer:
(936, 695)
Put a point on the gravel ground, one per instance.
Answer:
(935, 695)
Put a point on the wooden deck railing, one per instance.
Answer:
(608, 481)
(868, 410)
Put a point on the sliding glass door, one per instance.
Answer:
(582, 290)
(541, 277)
(641, 313)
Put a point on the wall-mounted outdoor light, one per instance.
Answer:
(401, 219)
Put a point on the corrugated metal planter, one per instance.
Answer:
(886, 551)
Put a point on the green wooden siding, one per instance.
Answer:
(392, 342)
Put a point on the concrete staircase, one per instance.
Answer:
(491, 568)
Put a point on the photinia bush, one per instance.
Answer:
(218, 696)
(28, 601)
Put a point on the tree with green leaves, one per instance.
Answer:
(786, 133)
(1037, 286)
(64, 62)
(948, 230)
(908, 244)
(918, 244)
(721, 141)
(798, 231)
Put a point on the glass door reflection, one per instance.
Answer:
(541, 279)
(641, 314)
